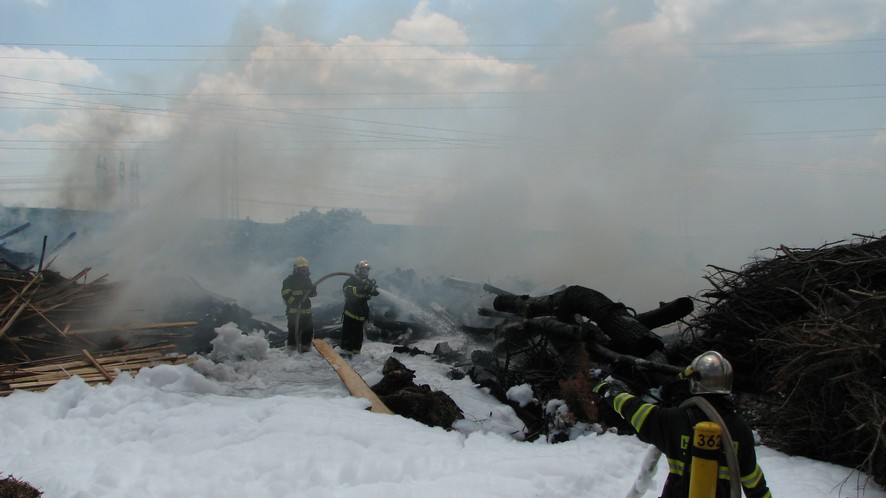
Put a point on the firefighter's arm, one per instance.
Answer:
(369, 288)
(295, 296)
(353, 291)
(752, 479)
(754, 484)
(286, 292)
(642, 416)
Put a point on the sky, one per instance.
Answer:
(248, 420)
(652, 138)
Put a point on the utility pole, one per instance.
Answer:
(235, 181)
(121, 177)
(133, 186)
(229, 188)
(223, 187)
(101, 170)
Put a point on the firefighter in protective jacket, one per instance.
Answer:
(297, 293)
(358, 289)
(671, 429)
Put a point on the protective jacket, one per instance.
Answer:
(357, 294)
(297, 292)
(671, 430)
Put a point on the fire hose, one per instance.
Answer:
(318, 282)
(641, 484)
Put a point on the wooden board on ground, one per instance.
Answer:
(355, 384)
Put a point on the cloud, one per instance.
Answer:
(807, 22)
(672, 22)
(389, 65)
(431, 28)
(29, 69)
(676, 24)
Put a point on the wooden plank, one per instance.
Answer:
(355, 384)
(18, 295)
(11, 321)
(47, 320)
(97, 365)
(140, 326)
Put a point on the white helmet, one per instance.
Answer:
(709, 373)
(362, 268)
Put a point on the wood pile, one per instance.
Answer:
(93, 369)
(49, 331)
(38, 309)
(805, 331)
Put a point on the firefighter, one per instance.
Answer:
(297, 293)
(671, 429)
(358, 289)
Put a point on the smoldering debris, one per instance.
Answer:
(560, 343)
(403, 396)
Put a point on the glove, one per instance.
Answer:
(313, 291)
(600, 388)
(369, 288)
(610, 388)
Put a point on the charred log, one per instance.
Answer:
(495, 290)
(667, 313)
(627, 334)
(492, 313)
(568, 340)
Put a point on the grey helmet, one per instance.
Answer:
(362, 268)
(709, 373)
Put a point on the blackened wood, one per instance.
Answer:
(627, 334)
(667, 313)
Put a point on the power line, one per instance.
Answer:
(443, 45)
(441, 59)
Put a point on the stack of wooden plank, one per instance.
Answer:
(45, 317)
(93, 369)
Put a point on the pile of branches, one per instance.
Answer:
(805, 331)
(16, 488)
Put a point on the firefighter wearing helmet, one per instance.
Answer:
(297, 292)
(358, 290)
(672, 429)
